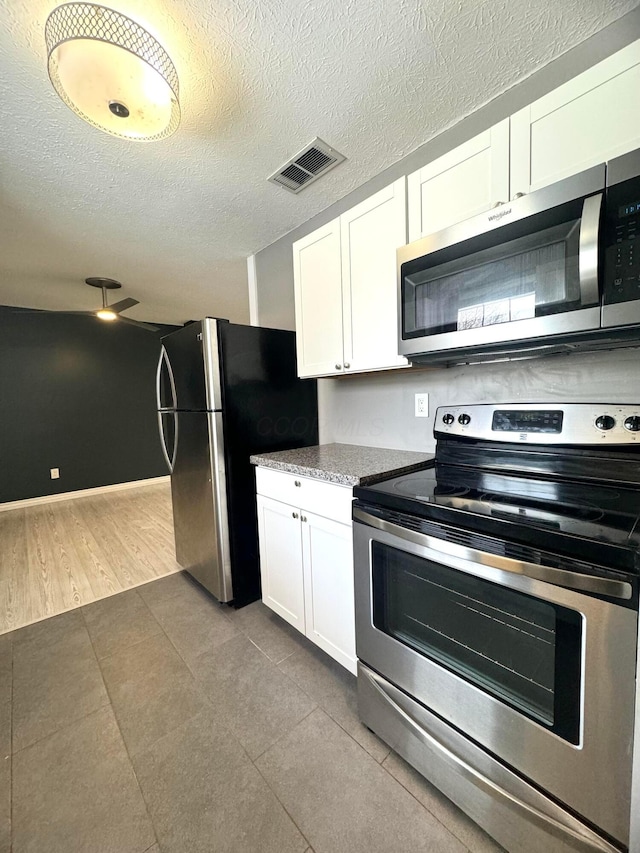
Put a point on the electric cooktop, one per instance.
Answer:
(571, 485)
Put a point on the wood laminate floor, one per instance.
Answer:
(59, 556)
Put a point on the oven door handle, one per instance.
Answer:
(557, 577)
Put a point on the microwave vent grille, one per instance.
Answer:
(314, 160)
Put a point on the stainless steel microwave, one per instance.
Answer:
(556, 269)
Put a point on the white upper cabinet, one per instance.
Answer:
(317, 277)
(590, 119)
(345, 288)
(371, 232)
(468, 180)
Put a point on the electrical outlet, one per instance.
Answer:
(55, 473)
(422, 405)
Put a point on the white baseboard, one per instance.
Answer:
(83, 493)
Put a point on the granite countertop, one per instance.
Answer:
(346, 464)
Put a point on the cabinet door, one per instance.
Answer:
(328, 572)
(370, 234)
(281, 560)
(318, 301)
(590, 119)
(462, 183)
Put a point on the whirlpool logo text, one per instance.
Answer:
(499, 215)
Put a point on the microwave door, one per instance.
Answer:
(534, 276)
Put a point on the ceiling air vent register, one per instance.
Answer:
(315, 160)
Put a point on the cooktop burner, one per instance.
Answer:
(582, 513)
(414, 488)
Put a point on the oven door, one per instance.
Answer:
(527, 270)
(540, 674)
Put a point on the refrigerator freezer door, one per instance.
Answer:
(193, 362)
(198, 492)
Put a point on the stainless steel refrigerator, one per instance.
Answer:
(224, 392)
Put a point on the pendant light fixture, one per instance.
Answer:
(112, 72)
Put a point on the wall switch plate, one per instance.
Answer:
(422, 405)
(55, 473)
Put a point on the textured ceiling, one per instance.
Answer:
(174, 220)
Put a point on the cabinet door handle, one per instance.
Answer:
(517, 195)
(294, 514)
(304, 518)
(297, 483)
(347, 365)
(338, 367)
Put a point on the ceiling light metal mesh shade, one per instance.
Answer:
(112, 72)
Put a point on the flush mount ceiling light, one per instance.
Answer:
(112, 72)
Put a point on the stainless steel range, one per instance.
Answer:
(497, 620)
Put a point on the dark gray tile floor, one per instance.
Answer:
(159, 721)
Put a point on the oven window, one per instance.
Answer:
(519, 649)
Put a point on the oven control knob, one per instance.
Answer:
(448, 419)
(464, 419)
(605, 422)
(632, 423)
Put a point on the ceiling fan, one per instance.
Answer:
(107, 312)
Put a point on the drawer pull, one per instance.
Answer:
(297, 483)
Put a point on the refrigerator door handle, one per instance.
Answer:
(164, 359)
(224, 582)
(175, 441)
(163, 443)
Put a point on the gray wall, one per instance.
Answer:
(79, 395)
(274, 264)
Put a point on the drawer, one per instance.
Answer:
(327, 499)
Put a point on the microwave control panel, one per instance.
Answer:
(622, 249)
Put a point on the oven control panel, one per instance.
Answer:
(535, 423)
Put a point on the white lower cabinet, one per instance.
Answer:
(281, 560)
(327, 549)
(306, 560)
